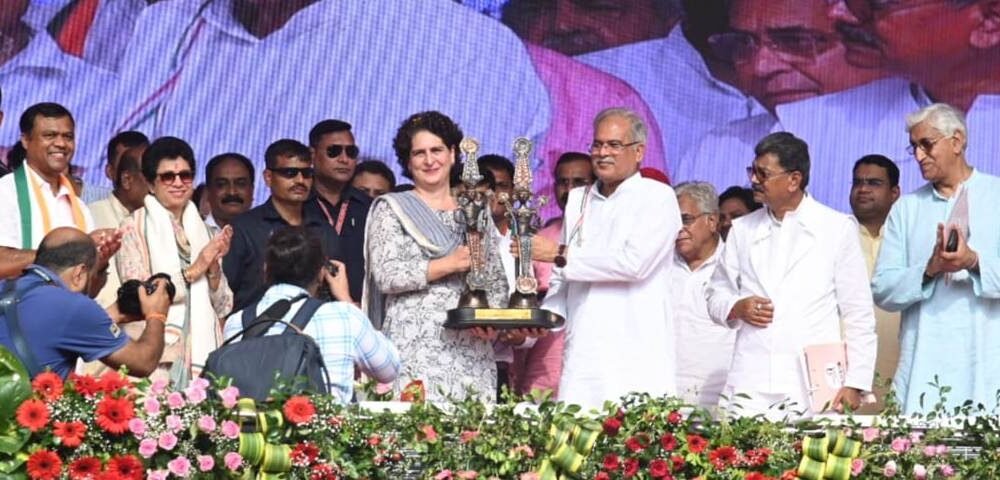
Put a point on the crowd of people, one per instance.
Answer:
(718, 299)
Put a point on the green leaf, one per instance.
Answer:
(13, 439)
(15, 386)
(10, 465)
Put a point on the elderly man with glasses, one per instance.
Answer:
(790, 275)
(939, 266)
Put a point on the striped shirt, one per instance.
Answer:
(344, 335)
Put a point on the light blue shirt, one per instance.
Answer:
(201, 76)
(949, 329)
(672, 78)
(343, 333)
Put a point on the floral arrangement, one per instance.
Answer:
(111, 428)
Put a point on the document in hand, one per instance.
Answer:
(826, 368)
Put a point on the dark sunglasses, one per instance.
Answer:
(186, 176)
(334, 151)
(292, 172)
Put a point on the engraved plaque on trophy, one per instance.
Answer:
(522, 209)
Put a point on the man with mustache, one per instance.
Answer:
(289, 176)
(229, 180)
(789, 275)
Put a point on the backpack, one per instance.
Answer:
(254, 362)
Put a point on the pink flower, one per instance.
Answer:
(915, 437)
(195, 396)
(919, 472)
(530, 476)
(157, 475)
(167, 441)
(929, 451)
(174, 422)
(147, 447)
(947, 470)
(525, 449)
(857, 466)
(429, 433)
(233, 461)
(890, 469)
(159, 387)
(180, 466)
(869, 434)
(467, 474)
(468, 436)
(941, 449)
(206, 424)
(137, 426)
(900, 444)
(175, 400)
(152, 406)
(230, 429)
(443, 475)
(205, 463)
(230, 395)
(383, 388)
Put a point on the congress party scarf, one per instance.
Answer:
(36, 215)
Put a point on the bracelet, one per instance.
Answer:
(157, 316)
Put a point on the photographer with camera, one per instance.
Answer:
(48, 321)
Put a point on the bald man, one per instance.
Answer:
(65, 324)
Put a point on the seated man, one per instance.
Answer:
(294, 266)
(60, 324)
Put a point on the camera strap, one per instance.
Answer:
(8, 302)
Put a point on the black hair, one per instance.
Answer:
(496, 162)
(327, 127)
(44, 109)
(792, 153)
(286, 147)
(436, 123)
(129, 139)
(743, 194)
(376, 167)
(66, 255)
(880, 161)
(161, 149)
(294, 256)
(218, 159)
(130, 162)
(198, 192)
(572, 157)
(16, 156)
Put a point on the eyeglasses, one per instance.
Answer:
(186, 176)
(292, 172)
(334, 151)
(763, 175)
(615, 146)
(868, 182)
(688, 220)
(795, 45)
(924, 144)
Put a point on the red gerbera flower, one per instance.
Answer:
(631, 467)
(84, 468)
(112, 381)
(757, 476)
(299, 409)
(33, 414)
(48, 385)
(757, 456)
(128, 467)
(602, 476)
(323, 471)
(789, 475)
(668, 441)
(304, 454)
(658, 468)
(675, 417)
(71, 433)
(611, 426)
(610, 462)
(414, 392)
(44, 465)
(113, 414)
(723, 457)
(696, 443)
(107, 476)
(677, 462)
(85, 385)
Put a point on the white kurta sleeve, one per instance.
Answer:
(723, 289)
(854, 301)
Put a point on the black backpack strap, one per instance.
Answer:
(8, 301)
(304, 315)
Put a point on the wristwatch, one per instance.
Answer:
(560, 259)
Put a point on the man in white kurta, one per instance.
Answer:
(950, 301)
(616, 254)
(790, 274)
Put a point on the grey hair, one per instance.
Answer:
(703, 194)
(942, 117)
(637, 126)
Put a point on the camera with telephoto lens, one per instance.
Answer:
(128, 293)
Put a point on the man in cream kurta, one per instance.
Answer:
(789, 275)
(617, 249)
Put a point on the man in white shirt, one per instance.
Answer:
(790, 274)
(704, 348)
(375, 62)
(611, 268)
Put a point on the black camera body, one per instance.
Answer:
(128, 293)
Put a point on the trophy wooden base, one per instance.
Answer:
(502, 318)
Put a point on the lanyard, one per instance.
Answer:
(577, 231)
(339, 225)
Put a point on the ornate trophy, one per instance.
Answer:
(474, 211)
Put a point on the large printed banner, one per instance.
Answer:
(711, 77)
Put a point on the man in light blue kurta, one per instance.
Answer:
(950, 301)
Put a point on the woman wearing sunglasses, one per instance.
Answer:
(168, 235)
